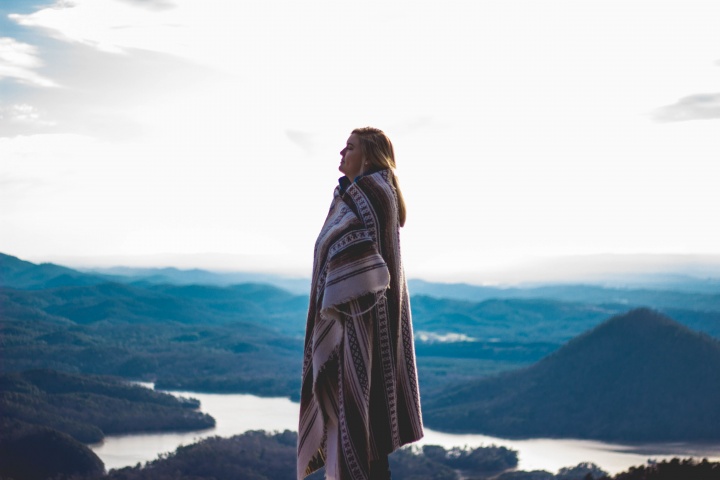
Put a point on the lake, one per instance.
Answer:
(238, 413)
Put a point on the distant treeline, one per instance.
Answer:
(259, 455)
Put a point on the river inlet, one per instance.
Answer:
(238, 413)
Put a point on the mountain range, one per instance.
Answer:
(247, 338)
(662, 290)
(205, 336)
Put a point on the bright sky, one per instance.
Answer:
(205, 133)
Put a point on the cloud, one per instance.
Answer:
(308, 142)
(21, 117)
(702, 106)
(109, 25)
(153, 4)
(19, 61)
(24, 113)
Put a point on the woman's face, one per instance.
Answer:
(351, 163)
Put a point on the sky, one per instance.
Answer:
(206, 133)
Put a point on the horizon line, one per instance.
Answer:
(594, 268)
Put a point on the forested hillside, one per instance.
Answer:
(89, 407)
(243, 338)
(639, 376)
(248, 337)
(31, 452)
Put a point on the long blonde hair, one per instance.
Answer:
(379, 153)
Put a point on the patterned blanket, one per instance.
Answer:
(359, 397)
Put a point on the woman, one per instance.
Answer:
(359, 399)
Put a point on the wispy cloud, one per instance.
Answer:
(24, 114)
(306, 141)
(22, 118)
(153, 4)
(108, 25)
(20, 61)
(702, 106)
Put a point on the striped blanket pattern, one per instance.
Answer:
(359, 397)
